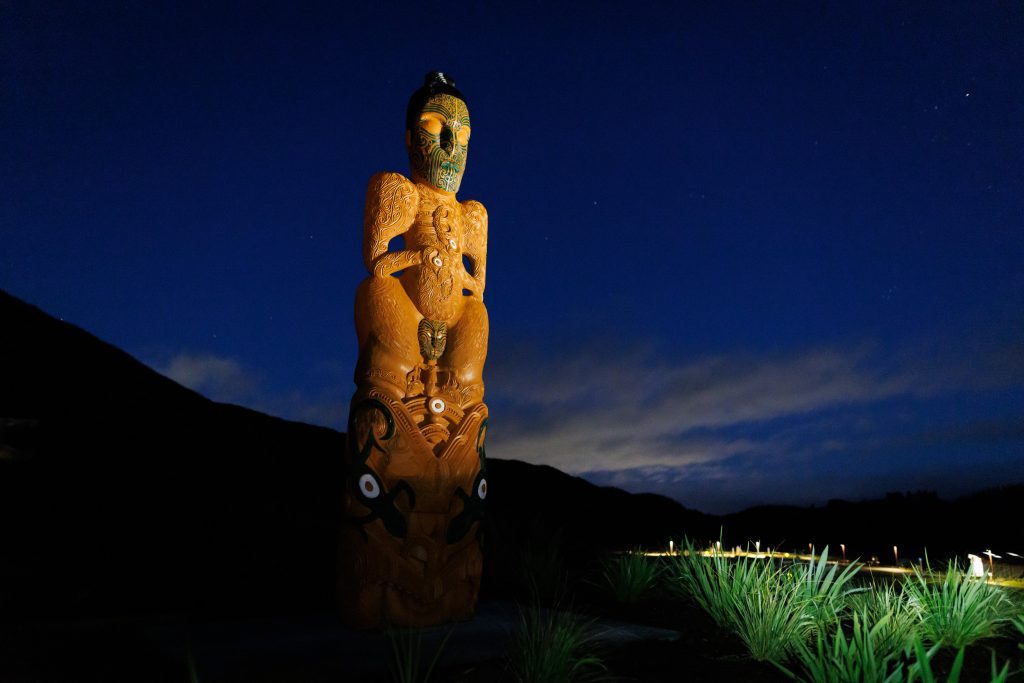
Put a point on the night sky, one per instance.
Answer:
(738, 253)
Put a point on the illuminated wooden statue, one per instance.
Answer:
(410, 552)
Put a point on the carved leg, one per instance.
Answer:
(467, 348)
(386, 326)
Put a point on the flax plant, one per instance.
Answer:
(407, 655)
(898, 618)
(768, 614)
(921, 669)
(552, 646)
(863, 658)
(860, 659)
(190, 664)
(628, 577)
(708, 581)
(957, 609)
(823, 590)
(543, 569)
(1018, 623)
(747, 596)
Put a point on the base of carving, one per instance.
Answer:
(410, 546)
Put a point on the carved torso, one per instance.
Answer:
(438, 232)
(417, 427)
(416, 469)
(435, 286)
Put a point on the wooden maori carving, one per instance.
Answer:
(416, 484)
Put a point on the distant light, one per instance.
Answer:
(888, 570)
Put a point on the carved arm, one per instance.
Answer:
(475, 247)
(391, 202)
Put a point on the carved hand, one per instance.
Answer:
(472, 284)
(430, 256)
(392, 261)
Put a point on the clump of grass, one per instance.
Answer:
(863, 658)
(1018, 623)
(407, 655)
(707, 581)
(860, 659)
(553, 645)
(543, 568)
(768, 615)
(769, 608)
(957, 609)
(190, 665)
(629, 576)
(896, 617)
(921, 669)
(823, 590)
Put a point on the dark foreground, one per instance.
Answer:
(659, 639)
(149, 534)
(318, 648)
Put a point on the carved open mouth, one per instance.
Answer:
(419, 601)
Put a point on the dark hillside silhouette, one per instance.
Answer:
(122, 492)
(914, 522)
(132, 493)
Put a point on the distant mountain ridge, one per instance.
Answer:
(129, 491)
(126, 491)
(171, 499)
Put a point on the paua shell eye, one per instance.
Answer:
(431, 126)
(368, 486)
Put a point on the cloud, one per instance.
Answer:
(216, 377)
(722, 432)
(717, 432)
(226, 380)
(599, 413)
(327, 407)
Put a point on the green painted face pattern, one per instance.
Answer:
(439, 145)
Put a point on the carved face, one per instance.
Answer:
(433, 336)
(413, 507)
(440, 141)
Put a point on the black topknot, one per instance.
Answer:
(434, 83)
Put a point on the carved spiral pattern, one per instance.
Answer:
(415, 463)
(441, 158)
(390, 207)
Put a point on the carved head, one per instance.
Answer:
(437, 133)
(411, 545)
(433, 336)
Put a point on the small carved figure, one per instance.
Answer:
(417, 425)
